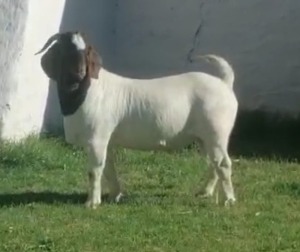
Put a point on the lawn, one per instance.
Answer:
(43, 186)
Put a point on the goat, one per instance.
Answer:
(103, 110)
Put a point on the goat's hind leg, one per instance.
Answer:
(222, 163)
(212, 178)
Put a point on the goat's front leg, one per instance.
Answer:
(97, 158)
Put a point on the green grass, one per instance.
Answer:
(43, 186)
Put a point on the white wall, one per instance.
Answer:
(24, 87)
(145, 39)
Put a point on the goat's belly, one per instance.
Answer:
(149, 142)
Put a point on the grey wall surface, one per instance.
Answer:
(259, 37)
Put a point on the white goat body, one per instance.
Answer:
(154, 114)
(108, 110)
(157, 114)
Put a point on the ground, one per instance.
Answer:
(43, 185)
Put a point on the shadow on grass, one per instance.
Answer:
(290, 189)
(53, 198)
(259, 134)
(16, 199)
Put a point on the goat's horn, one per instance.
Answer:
(48, 43)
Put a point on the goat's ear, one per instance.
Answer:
(94, 62)
(49, 62)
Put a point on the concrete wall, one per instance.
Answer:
(259, 37)
(150, 38)
(23, 86)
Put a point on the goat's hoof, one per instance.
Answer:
(91, 204)
(203, 194)
(119, 197)
(229, 202)
(116, 198)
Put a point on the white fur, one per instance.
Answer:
(157, 114)
(78, 41)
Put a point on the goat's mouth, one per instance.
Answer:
(68, 87)
(73, 87)
(70, 83)
(75, 76)
(78, 77)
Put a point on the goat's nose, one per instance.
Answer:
(81, 73)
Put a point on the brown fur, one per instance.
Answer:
(93, 62)
(71, 68)
(51, 60)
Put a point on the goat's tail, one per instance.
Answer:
(225, 69)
